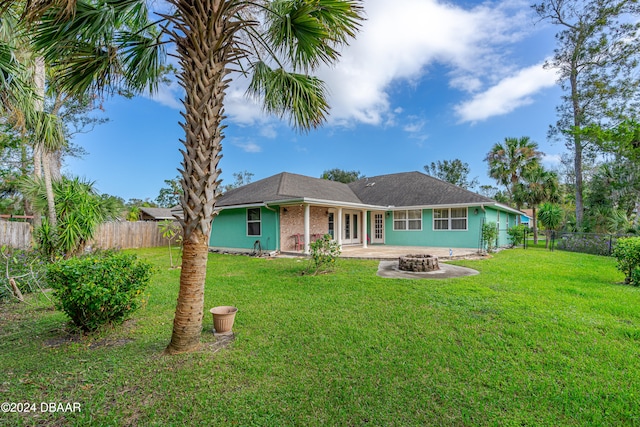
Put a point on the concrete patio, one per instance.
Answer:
(385, 252)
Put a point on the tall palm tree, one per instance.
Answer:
(538, 186)
(28, 108)
(276, 43)
(18, 98)
(509, 161)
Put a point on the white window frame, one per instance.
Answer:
(253, 221)
(449, 219)
(407, 220)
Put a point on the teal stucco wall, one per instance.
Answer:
(507, 220)
(438, 238)
(229, 230)
(469, 238)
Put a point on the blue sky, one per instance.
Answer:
(424, 81)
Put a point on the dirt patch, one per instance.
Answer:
(222, 341)
(63, 339)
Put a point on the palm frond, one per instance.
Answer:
(308, 33)
(300, 97)
(106, 45)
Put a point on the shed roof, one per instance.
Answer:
(157, 213)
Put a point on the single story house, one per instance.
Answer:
(286, 211)
(526, 217)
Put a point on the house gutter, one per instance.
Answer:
(332, 203)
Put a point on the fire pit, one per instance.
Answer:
(418, 263)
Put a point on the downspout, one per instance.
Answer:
(277, 233)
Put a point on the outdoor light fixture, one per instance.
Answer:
(475, 211)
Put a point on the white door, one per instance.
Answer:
(350, 228)
(378, 227)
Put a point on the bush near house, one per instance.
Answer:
(490, 236)
(324, 253)
(627, 251)
(99, 289)
(516, 234)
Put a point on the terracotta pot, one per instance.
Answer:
(223, 318)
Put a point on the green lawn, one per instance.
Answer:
(538, 338)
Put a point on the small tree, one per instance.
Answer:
(341, 175)
(627, 252)
(240, 179)
(169, 196)
(490, 236)
(516, 234)
(79, 210)
(324, 253)
(454, 171)
(550, 216)
(170, 230)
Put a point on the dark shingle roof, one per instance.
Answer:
(288, 186)
(400, 189)
(412, 189)
(157, 213)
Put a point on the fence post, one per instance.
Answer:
(610, 244)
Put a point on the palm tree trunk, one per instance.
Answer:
(38, 148)
(48, 184)
(203, 47)
(187, 323)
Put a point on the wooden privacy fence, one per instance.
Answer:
(110, 235)
(15, 234)
(127, 234)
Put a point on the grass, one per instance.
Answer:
(538, 338)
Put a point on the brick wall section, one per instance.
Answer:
(292, 222)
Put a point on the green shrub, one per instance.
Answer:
(627, 252)
(490, 235)
(516, 234)
(324, 253)
(99, 289)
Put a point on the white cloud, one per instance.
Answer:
(401, 39)
(507, 95)
(169, 95)
(552, 160)
(247, 146)
(240, 108)
(415, 126)
(268, 131)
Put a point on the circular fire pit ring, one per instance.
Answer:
(418, 263)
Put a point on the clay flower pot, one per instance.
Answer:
(223, 317)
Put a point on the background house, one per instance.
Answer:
(156, 214)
